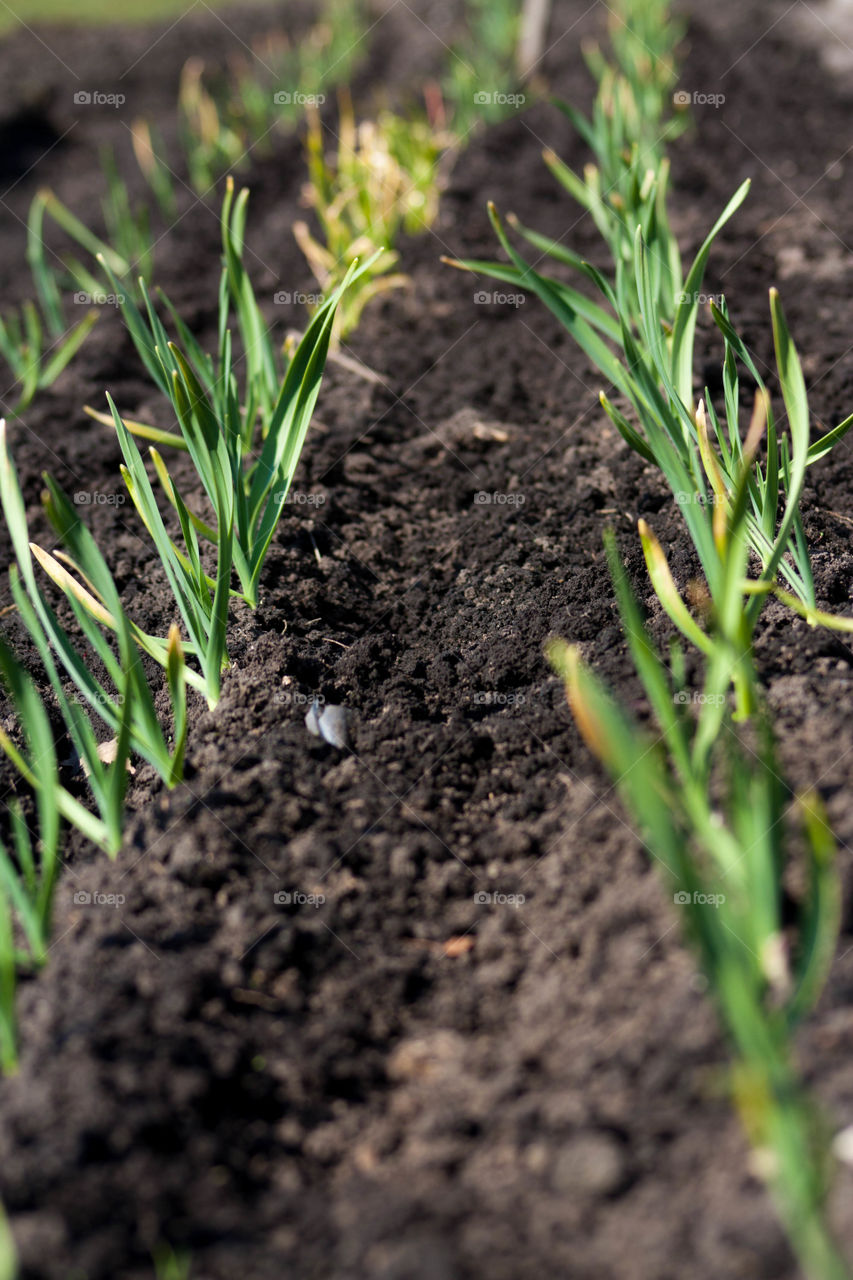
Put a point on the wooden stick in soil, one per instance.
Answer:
(531, 40)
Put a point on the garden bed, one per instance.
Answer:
(403, 1082)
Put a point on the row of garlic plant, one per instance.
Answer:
(705, 786)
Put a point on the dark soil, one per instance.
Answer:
(404, 1083)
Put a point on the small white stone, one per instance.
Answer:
(843, 1145)
(312, 718)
